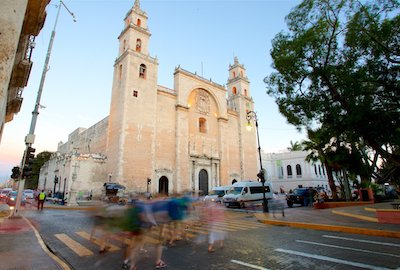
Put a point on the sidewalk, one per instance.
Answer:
(21, 247)
(353, 219)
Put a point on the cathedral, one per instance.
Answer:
(156, 139)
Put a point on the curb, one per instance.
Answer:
(334, 228)
(69, 207)
(361, 217)
(60, 262)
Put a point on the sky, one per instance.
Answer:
(199, 35)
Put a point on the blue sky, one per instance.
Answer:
(200, 36)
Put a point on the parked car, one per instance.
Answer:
(29, 193)
(12, 198)
(301, 196)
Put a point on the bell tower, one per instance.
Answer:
(133, 105)
(240, 100)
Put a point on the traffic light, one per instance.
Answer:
(260, 175)
(15, 173)
(29, 156)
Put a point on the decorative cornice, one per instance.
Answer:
(181, 107)
(197, 77)
(141, 55)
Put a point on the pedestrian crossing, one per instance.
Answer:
(83, 245)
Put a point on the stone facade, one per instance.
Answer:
(290, 170)
(156, 139)
(20, 22)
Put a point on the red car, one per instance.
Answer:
(4, 193)
(12, 198)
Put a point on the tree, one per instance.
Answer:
(339, 65)
(32, 181)
(317, 148)
(295, 146)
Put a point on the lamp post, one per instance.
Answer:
(30, 137)
(253, 115)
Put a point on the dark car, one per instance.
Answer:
(298, 196)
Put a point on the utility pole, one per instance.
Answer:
(30, 138)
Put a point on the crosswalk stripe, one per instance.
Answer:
(238, 226)
(73, 245)
(86, 236)
(197, 230)
(217, 227)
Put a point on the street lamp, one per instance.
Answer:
(253, 115)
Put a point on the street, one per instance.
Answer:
(248, 245)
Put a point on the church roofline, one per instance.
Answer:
(194, 75)
(166, 89)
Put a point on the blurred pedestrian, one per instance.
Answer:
(277, 204)
(214, 215)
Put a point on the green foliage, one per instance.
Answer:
(339, 67)
(295, 146)
(38, 161)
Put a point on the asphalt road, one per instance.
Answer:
(248, 245)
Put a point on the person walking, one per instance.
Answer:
(41, 199)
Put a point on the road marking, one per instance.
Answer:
(349, 248)
(86, 236)
(238, 225)
(74, 245)
(330, 259)
(249, 265)
(362, 241)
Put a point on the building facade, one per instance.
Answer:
(21, 21)
(290, 170)
(189, 138)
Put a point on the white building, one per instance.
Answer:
(290, 170)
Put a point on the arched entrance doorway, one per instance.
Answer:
(203, 182)
(163, 185)
(234, 181)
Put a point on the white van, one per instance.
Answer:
(216, 194)
(247, 192)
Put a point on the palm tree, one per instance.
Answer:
(296, 146)
(318, 151)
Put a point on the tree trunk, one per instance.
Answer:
(331, 182)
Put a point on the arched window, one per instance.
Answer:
(241, 73)
(138, 45)
(245, 92)
(234, 91)
(280, 172)
(315, 169)
(234, 74)
(298, 170)
(124, 45)
(289, 170)
(120, 72)
(142, 71)
(319, 169)
(323, 169)
(202, 125)
(138, 22)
